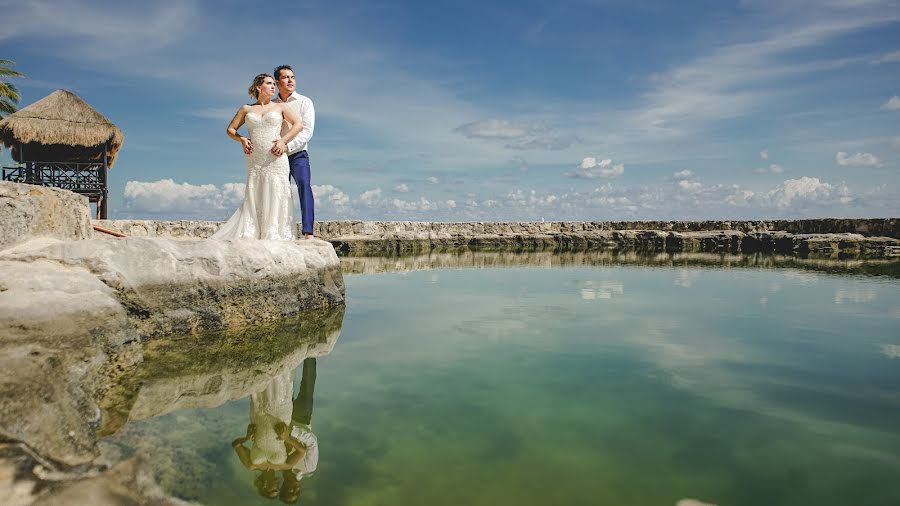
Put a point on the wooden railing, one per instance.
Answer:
(88, 179)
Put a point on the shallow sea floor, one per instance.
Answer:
(619, 385)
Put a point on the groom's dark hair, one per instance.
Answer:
(278, 70)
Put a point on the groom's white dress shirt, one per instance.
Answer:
(303, 106)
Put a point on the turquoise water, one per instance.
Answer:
(620, 384)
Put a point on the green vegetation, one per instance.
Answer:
(9, 94)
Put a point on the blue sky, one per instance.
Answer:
(482, 110)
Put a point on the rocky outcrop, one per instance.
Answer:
(65, 306)
(56, 325)
(164, 286)
(75, 311)
(28, 211)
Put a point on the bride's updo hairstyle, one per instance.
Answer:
(257, 82)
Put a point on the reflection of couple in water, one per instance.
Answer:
(282, 441)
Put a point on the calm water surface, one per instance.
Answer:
(620, 384)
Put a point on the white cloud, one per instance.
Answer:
(854, 295)
(168, 198)
(683, 174)
(689, 186)
(548, 142)
(519, 162)
(422, 204)
(764, 154)
(672, 199)
(330, 194)
(804, 190)
(737, 79)
(857, 160)
(500, 129)
(370, 197)
(590, 169)
(892, 57)
(529, 199)
(401, 188)
(893, 104)
(521, 135)
(128, 30)
(891, 350)
(771, 169)
(601, 290)
(433, 180)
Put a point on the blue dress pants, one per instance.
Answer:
(299, 162)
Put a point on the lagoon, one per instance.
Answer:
(481, 379)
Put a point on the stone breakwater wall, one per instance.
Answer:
(870, 227)
(823, 237)
(818, 237)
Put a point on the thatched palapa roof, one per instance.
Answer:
(60, 127)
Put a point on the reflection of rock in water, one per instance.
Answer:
(185, 450)
(464, 258)
(208, 370)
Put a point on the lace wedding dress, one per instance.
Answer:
(268, 407)
(268, 208)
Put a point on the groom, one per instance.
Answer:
(296, 149)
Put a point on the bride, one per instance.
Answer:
(268, 208)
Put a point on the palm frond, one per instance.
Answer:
(9, 91)
(6, 107)
(5, 69)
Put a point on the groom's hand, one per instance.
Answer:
(279, 147)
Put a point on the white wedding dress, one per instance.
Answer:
(268, 407)
(268, 208)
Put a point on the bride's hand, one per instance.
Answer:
(279, 147)
(247, 144)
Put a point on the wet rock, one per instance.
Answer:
(28, 480)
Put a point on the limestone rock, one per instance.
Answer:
(65, 306)
(179, 286)
(176, 229)
(29, 211)
(55, 324)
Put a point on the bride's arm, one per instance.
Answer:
(236, 123)
(280, 145)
